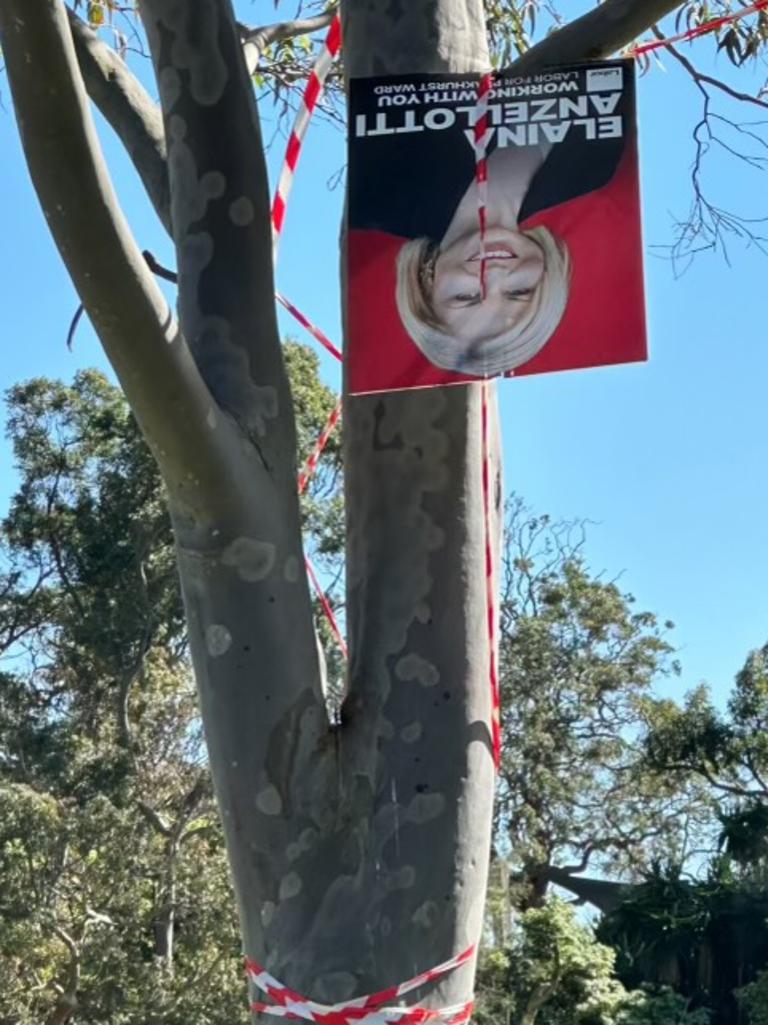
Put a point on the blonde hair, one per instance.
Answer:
(496, 354)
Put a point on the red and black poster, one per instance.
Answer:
(554, 283)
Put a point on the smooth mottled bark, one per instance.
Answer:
(340, 839)
(133, 320)
(359, 853)
(597, 34)
(128, 108)
(419, 703)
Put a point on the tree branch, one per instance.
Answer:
(700, 78)
(67, 940)
(597, 34)
(154, 819)
(222, 221)
(269, 34)
(128, 108)
(127, 680)
(247, 602)
(125, 305)
(256, 40)
(67, 1003)
(603, 894)
(540, 994)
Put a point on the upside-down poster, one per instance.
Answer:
(555, 282)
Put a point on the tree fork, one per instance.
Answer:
(359, 854)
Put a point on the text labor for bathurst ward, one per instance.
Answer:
(556, 280)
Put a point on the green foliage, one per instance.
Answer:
(556, 973)
(313, 402)
(513, 25)
(741, 41)
(576, 662)
(728, 752)
(754, 999)
(660, 1007)
(90, 513)
(703, 939)
(115, 904)
(81, 884)
(323, 502)
(744, 835)
(323, 510)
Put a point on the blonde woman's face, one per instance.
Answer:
(514, 267)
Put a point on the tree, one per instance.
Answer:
(577, 661)
(728, 752)
(555, 971)
(336, 834)
(101, 783)
(725, 752)
(661, 1007)
(755, 999)
(115, 900)
(707, 939)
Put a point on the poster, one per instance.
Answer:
(562, 277)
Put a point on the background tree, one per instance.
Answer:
(330, 852)
(699, 925)
(696, 921)
(116, 903)
(115, 891)
(577, 662)
(704, 938)
(729, 752)
(555, 971)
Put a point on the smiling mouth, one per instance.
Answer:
(496, 253)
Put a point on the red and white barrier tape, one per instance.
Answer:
(306, 323)
(367, 1010)
(304, 478)
(311, 464)
(482, 136)
(699, 30)
(458, 1014)
(309, 101)
(330, 615)
(490, 578)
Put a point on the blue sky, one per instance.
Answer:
(667, 460)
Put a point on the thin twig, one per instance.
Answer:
(73, 326)
(154, 266)
(701, 77)
(159, 269)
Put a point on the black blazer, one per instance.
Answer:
(410, 184)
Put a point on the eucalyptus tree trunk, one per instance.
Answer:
(340, 840)
(418, 710)
(359, 853)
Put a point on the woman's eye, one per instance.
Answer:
(467, 297)
(519, 294)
